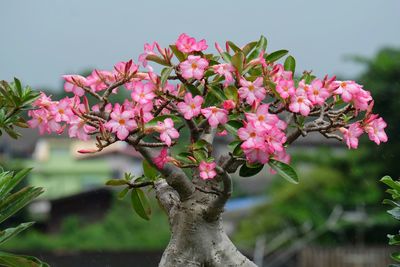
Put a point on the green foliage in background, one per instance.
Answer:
(14, 99)
(394, 191)
(382, 77)
(327, 181)
(120, 230)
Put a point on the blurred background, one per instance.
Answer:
(333, 217)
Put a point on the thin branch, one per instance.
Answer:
(174, 175)
(216, 207)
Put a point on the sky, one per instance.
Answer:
(44, 39)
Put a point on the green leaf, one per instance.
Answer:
(290, 64)
(179, 55)
(140, 203)
(16, 201)
(161, 118)
(395, 212)
(123, 192)
(284, 170)
(231, 93)
(394, 239)
(391, 202)
(249, 47)
(226, 57)
(18, 86)
(164, 75)
(261, 46)
(234, 144)
(116, 182)
(149, 171)
(246, 171)
(200, 144)
(158, 60)
(200, 155)
(12, 181)
(234, 47)
(274, 56)
(217, 91)
(390, 182)
(183, 156)
(193, 89)
(211, 100)
(233, 126)
(238, 61)
(395, 256)
(10, 232)
(11, 260)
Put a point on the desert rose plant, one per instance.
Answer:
(241, 93)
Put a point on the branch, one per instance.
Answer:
(216, 207)
(175, 177)
(166, 195)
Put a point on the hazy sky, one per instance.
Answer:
(41, 40)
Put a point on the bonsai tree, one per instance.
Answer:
(172, 119)
(13, 100)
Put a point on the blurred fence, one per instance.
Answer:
(345, 257)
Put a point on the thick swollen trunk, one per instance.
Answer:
(198, 242)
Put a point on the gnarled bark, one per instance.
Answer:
(196, 241)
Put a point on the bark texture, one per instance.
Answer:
(195, 240)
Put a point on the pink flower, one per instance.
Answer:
(121, 122)
(226, 71)
(207, 170)
(74, 84)
(125, 68)
(193, 67)
(258, 153)
(188, 44)
(252, 91)
(346, 89)
(351, 135)
(317, 94)
(285, 88)
(191, 107)
(62, 111)
(43, 101)
(167, 131)
(228, 104)
(215, 116)
(148, 50)
(361, 99)
(275, 139)
(161, 159)
(100, 79)
(278, 73)
(79, 129)
(142, 93)
(300, 103)
(108, 108)
(42, 119)
(143, 111)
(376, 130)
(252, 135)
(262, 118)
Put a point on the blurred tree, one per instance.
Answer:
(382, 76)
(349, 180)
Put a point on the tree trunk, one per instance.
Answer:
(198, 242)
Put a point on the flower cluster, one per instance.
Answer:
(244, 92)
(263, 135)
